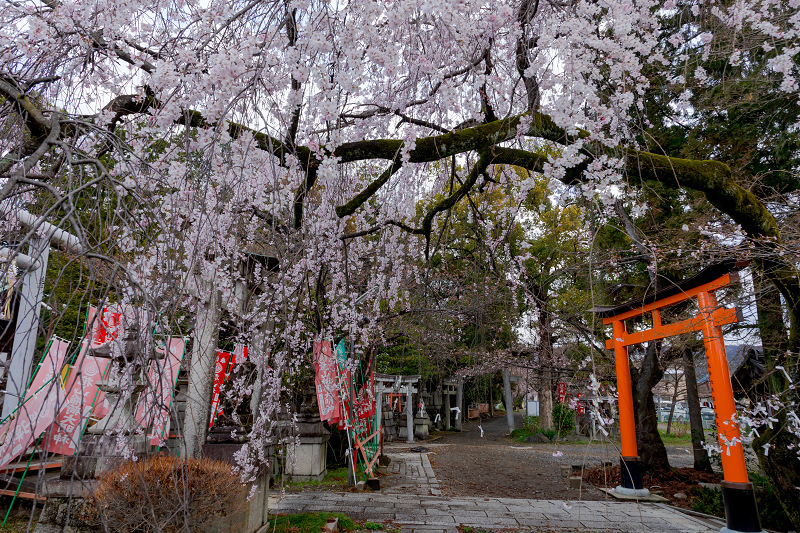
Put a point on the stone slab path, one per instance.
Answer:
(410, 498)
(436, 514)
(410, 473)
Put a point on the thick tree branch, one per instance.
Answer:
(358, 200)
(37, 123)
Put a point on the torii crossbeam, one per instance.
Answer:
(740, 505)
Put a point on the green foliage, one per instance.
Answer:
(18, 519)
(308, 523)
(530, 426)
(709, 501)
(372, 526)
(772, 514)
(520, 434)
(335, 479)
(563, 418)
(530, 422)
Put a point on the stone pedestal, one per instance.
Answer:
(422, 427)
(389, 425)
(250, 518)
(307, 459)
(68, 508)
(98, 454)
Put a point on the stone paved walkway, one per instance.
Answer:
(411, 499)
(435, 514)
(410, 473)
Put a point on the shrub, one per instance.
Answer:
(549, 433)
(563, 418)
(531, 423)
(520, 434)
(707, 501)
(167, 494)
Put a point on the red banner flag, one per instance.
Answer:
(81, 394)
(365, 402)
(38, 408)
(222, 372)
(220, 376)
(103, 327)
(326, 381)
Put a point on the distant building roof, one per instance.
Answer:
(745, 364)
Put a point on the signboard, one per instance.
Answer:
(562, 392)
(581, 405)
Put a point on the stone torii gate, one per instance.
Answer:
(740, 505)
(33, 267)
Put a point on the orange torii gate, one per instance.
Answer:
(740, 505)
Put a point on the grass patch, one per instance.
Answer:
(675, 438)
(308, 522)
(520, 434)
(17, 521)
(335, 478)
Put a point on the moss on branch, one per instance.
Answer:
(358, 200)
(712, 178)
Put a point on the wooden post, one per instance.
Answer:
(509, 400)
(627, 423)
(446, 402)
(459, 402)
(379, 415)
(409, 415)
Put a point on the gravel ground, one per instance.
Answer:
(494, 465)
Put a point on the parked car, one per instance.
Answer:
(707, 415)
(681, 413)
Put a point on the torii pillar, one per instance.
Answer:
(741, 512)
(34, 266)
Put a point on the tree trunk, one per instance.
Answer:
(546, 398)
(779, 460)
(201, 372)
(674, 401)
(701, 461)
(651, 448)
(771, 328)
